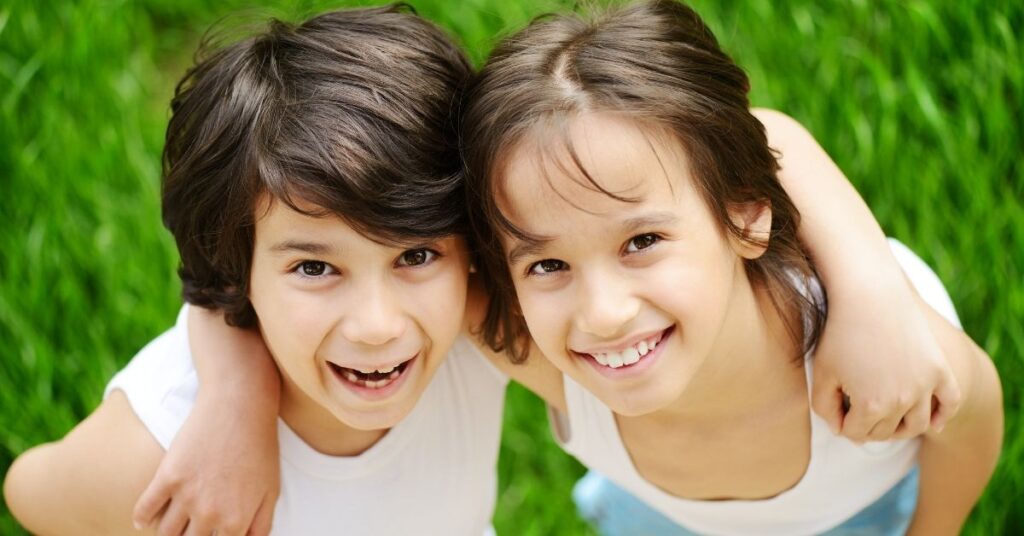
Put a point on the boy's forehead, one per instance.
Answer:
(277, 222)
(276, 217)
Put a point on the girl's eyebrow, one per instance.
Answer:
(527, 246)
(532, 245)
(312, 248)
(647, 221)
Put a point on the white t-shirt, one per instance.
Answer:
(433, 473)
(841, 479)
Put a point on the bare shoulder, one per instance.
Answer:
(781, 129)
(536, 373)
(88, 482)
(801, 158)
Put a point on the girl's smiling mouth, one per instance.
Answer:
(631, 358)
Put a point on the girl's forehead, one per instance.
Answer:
(597, 163)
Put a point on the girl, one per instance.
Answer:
(209, 482)
(628, 215)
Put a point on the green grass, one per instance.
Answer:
(918, 102)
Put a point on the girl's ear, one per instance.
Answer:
(754, 221)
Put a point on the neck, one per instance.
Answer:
(320, 429)
(751, 367)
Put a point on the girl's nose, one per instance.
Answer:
(606, 305)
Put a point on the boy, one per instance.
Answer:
(304, 171)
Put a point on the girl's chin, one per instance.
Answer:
(634, 408)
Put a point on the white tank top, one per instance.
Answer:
(841, 479)
(433, 473)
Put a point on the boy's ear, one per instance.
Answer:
(754, 220)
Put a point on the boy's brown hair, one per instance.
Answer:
(657, 63)
(350, 111)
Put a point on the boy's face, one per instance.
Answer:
(356, 327)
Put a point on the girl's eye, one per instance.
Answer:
(313, 268)
(640, 242)
(546, 266)
(417, 257)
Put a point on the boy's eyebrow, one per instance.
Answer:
(526, 247)
(313, 248)
(656, 219)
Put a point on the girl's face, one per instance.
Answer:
(356, 327)
(627, 298)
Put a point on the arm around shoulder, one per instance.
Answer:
(87, 482)
(535, 373)
(957, 462)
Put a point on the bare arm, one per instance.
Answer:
(957, 463)
(87, 482)
(536, 373)
(222, 470)
(874, 320)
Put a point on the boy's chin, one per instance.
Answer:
(381, 418)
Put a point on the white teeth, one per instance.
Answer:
(628, 356)
(393, 375)
(379, 383)
(351, 376)
(385, 371)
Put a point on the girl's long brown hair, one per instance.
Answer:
(655, 62)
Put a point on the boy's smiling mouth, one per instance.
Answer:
(375, 379)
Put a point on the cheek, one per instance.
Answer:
(293, 322)
(698, 296)
(439, 306)
(547, 315)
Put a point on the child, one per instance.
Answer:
(812, 178)
(304, 168)
(624, 196)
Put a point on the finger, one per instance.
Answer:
(827, 402)
(885, 428)
(152, 501)
(915, 422)
(947, 398)
(264, 519)
(199, 525)
(173, 522)
(861, 419)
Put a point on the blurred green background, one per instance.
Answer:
(920, 103)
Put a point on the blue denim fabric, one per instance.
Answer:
(615, 512)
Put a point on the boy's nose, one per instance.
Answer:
(374, 319)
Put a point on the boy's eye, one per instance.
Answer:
(313, 268)
(416, 257)
(643, 241)
(546, 266)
